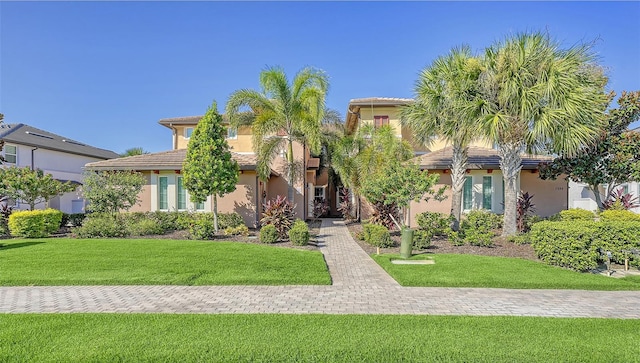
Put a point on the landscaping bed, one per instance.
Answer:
(501, 248)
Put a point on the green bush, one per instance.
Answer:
(619, 215)
(477, 227)
(167, 221)
(455, 238)
(366, 231)
(226, 220)
(145, 227)
(377, 235)
(422, 239)
(269, 234)
(520, 239)
(477, 237)
(202, 228)
(34, 224)
(618, 237)
(565, 244)
(102, 226)
(577, 214)
(237, 231)
(436, 223)
(184, 220)
(299, 233)
(75, 219)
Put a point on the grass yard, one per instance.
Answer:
(63, 261)
(313, 338)
(457, 270)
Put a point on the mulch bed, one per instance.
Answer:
(501, 248)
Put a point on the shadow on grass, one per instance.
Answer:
(18, 245)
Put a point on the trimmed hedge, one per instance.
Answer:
(269, 234)
(577, 214)
(577, 245)
(299, 233)
(102, 226)
(421, 239)
(438, 224)
(619, 215)
(377, 235)
(35, 223)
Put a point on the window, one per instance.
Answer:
(182, 195)
(379, 121)
(486, 192)
(187, 132)
(318, 193)
(467, 193)
(163, 185)
(232, 133)
(625, 188)
(200, 206)
(10, 154)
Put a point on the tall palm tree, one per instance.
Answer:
(538, 97)
(446, 107)
(282, 113)
(134, 151)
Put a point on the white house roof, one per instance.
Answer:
(28, 135)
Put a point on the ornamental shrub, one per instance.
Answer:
(237, 231)
(280, 213)
(436, 223)
(477, 227)
(299, 233)
(421, 239)
(75, 219)
(102, 226)
(269, 234)
(618, 237)
(35, 223)
(203, 228)
(226, 220)
(455, 238)
(146, 227)
(569, 245)
(619, 215)
(577, 214)
(377, 235)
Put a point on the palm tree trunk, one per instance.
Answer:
(596, 193)
(458, 168)
(511, 164)
(290, 161)
(215, 213)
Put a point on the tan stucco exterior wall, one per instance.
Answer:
(432, 205)
(243, 199)
(241, 144)
(549, 196)
(145, 195)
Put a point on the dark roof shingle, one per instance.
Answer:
(479, 158)
(31, 136)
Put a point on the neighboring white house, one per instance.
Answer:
(63, 158)
(580, 196)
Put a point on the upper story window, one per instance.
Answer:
(379, 121)
(187, 132)
(232, 133)
(10, 154)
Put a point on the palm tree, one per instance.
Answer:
(538, 97)
(281, 114)
(445, 106)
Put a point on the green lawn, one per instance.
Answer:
(456, 270)
(313, 338)
(63, 261)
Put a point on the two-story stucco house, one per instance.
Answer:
(63, 158)
(164, 190)
(483, 188)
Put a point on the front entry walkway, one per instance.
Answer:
(360, 286)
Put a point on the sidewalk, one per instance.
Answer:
(360, 286)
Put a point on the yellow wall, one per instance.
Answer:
(242, 143)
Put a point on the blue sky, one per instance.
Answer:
(104, 73)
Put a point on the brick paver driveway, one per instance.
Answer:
(360, 286)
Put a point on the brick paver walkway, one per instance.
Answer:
(360, 287)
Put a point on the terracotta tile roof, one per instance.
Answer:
(166, 160)
(27, 135)
(313, 163)
(479, 158)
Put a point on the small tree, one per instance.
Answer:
(399, 185)
(31, 186)
(112, 191)
(133, 152)
(1, 141)
(208, 168)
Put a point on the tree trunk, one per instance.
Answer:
(510, 164)
(596, 193)
(458, 168)
(215, 213)
(290, 161)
